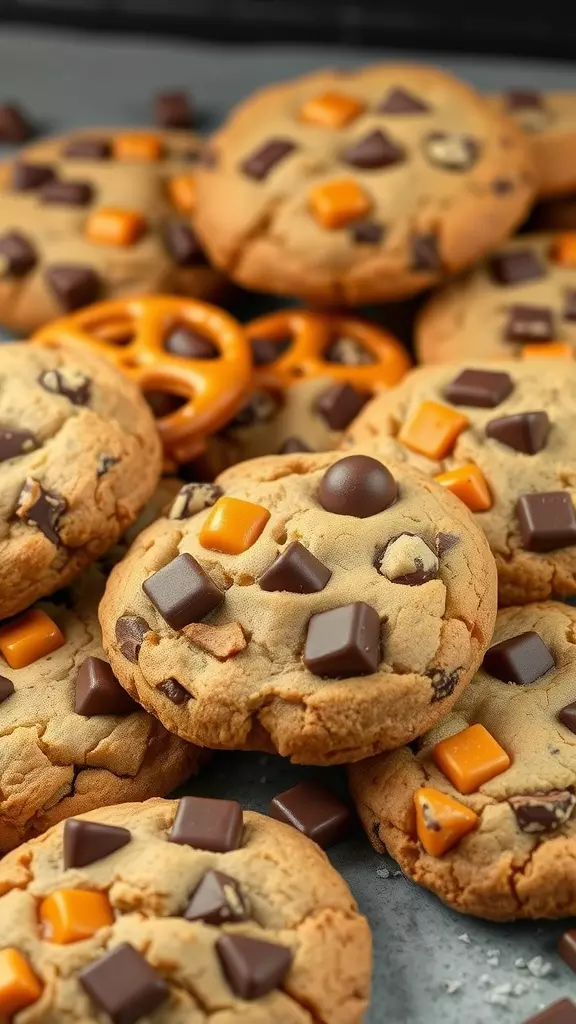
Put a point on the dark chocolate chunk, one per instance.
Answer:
(357, 485)
(521, 99)
(88, 841)
(183, 245)
(367, 232)
(6, 688)
(41, 507)
(296, 570)
(182, 592)
(130, 632)
(567, 949)
(400, 101)
(443, 682)
(424, 254)
(124, 985)
(193, 498)
(343, 642)
(87, 148)
(262, 161)
(105, 463)
(207, 824)
(98, 692)
(217, 899)
(173, 110)
(267, 350)
(339, 404)
(543, 812)
(529, 324)
(525, 432)
(516, 266)
(314, 811)
(374, 151)
(187, 343)
(567, 716)
(569, 311)
(483, 389)
(17, 254)
(253, 968)
(562, 1012)
(29, 177)
(14, 126)
(67, 193)
(445, 542)
(451, 151)
(73, 285)
(547, 521)
(71, 384)
(521, 659)
(293, 445)
(16, 442)
(175, 692)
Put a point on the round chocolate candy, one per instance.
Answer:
(357, 485)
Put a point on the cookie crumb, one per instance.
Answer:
(520, 963)
(452, 986)
(484, 981)
(538, 967)
(493, 957)
(465, 938)
(383, 873)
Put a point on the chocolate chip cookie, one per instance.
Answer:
(549, 119)
(483, 810)
(359, 186)
(285, 609)
(180, 912)
(79, 457)
(500, 436)
(99, 213)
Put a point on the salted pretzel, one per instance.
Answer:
(132, 333)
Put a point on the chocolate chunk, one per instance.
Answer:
(183, 245)
(525, 432)
(175, 692)
(562, 1012)
(528, 108)
(207, 824)
(67, 193)
(529, 323)
(193, 498)
(182, 592)
(445, 542)
(6, 688)
(217, 899)
(339, 404)
(187, 343)
(483, 389)
(521, 99)
(547, 521)
(293, 445)
(105, 464)
(263, 160)
(41, 507)
(357, 485)
(173, 110)
(98, 692)
(88, 841)
(17, 254)
(567, 716)
(567, 949)
(314, 811)
(124, 985)
(424, 254)
(400, 101)
(73, 285)
(253, 968)
(367, 232)
(568, 313)
(267, 350)
(374, 151)
(87, 148)
(521, 659)
(130, 632)
(14, 126)
(29, 177)
(343, 642)
(71, 384)
(407, 560)
(296, 570)
(443, 683)
(543, 812)
(16, 442)
(451, 151)
(348, 352)
(502, 186)
(516, 266)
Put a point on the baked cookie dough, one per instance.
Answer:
(500, 436)
(286, 608)
(549, 119)
(180, 913)
(483, 810)
(361, 186)
(100, 213)
(79, 458)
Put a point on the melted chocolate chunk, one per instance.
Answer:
(543, 812)
(16, 442)
(71, 384)
(42, 508)
(130, 632)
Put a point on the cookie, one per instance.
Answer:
(79, 457)
(549, 119)
(101, 213)
(284, 609)
(359, 186)
(483, 809)
(500, 437)
(519, 303)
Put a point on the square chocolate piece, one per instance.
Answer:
(314, 811)
(182, 592)
(124, 985)
(343, 642)
(521, 659)
(206, 824)
(547, 521)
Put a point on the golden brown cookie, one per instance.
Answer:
(549, 119)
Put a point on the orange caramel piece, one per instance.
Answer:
(432, 430)
(563, 249)
(29, 637)
(182, 192)
(111, 226)
(469, 484)
(70, 915)
(233, 526)
(470, 758)
(19, 986)
(331, 110)
(145, 146)
(551, 350)
(441, 822)
(336, 203)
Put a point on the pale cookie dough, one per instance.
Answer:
(50, 264)
(520, 860)
(79, 457)
(549, 119)
(317, 656)
(523, 445)
(361, 186)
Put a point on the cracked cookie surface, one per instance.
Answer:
(520, 859)
(283, 610)
(79, 457)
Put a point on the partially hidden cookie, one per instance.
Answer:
(500, 437)
(518, 303)
(99, 213)
(323, 607)
(482, 810)
(79, 458)
(360, 186)
(549, 120)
